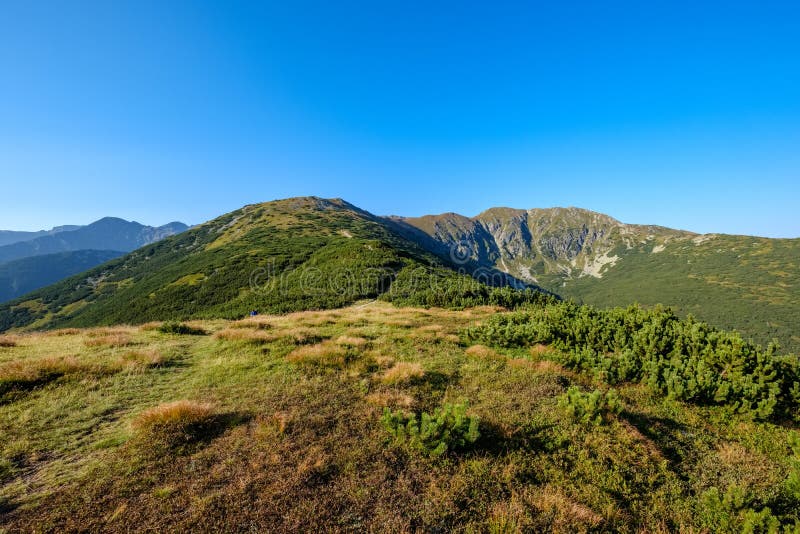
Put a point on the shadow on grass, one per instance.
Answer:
(496, 439)
(13, 390)
(670, 437)
(186, 438)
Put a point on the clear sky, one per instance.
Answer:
(684, 114)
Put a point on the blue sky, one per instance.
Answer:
(684, 114)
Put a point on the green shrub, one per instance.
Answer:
(734, 511)
(590, 408)
(680, 358)
(174, 327)
(793, 480)
(449, 428)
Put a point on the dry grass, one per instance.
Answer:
(391, 399)
(64, 332)
(141, 359)
(28, 373)
(117, 339)
(258, 323)
(403, 372)
(325, 354)
(174, 424)
(482, 351)
(181, 412)
(152, 325)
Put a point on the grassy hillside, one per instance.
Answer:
(747, 283)
(741, 282)
(301, 422)
(295, 254)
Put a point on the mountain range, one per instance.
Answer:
(30, 260)
(305, 253)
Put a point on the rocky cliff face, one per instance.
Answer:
(541, 245)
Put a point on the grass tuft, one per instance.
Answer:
(29, 373)
(402, 373)
(175, 423)
(325, 354)
(114, 340)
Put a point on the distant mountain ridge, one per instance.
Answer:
(743, 282)
(108, 233)
(8, 237)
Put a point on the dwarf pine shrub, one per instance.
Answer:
(793, 480)
(449, 428)
(590, 408)
(682, 359)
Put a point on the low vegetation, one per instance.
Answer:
(680, 358)
(174, 424)
(448, 429)
(175, 327)
(590, 408)
(385, 419)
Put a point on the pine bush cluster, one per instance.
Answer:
(590, 408)
(449, 428)
(681, 358)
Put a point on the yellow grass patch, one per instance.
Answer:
(29, 372)
(403, 372)
(65, 332)
(390, 399)
(141, 359)
(258, 322)
(325, 354)
(110, 340)
(178, 414)
(481, 351)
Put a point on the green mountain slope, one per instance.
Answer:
(295, 254)
(748, 283)
(22, 276)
